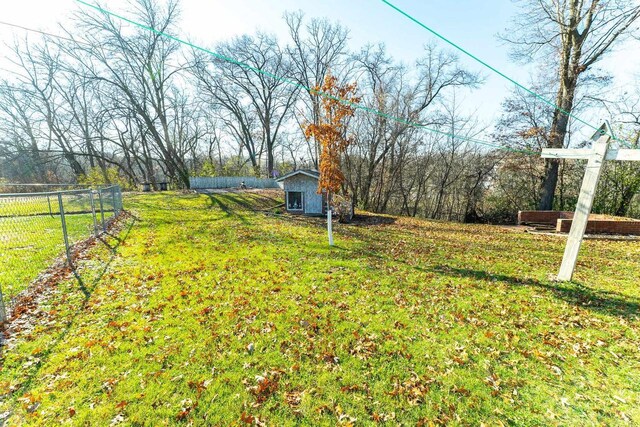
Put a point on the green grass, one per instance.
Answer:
(48, 204)
(31, 234)
(404, 322)
(29, 244)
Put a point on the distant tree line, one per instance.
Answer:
(113, 102)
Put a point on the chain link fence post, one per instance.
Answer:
(113, 201)
(120, 207)
(49, 202)
(3, 311)
(64, 229)
(93, 213)
(104, 226)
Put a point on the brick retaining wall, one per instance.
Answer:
(552, 217)
(601, 226)
(542, 217)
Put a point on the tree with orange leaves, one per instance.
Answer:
(331, 133)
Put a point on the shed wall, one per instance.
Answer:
(308, 186)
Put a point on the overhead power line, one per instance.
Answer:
(500, 73)
(8, 24)
(301, 86)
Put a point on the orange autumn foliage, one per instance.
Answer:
(330, 132)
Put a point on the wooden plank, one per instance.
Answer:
(584, 153)
(585, 203)
(624, 155)
(566, 153)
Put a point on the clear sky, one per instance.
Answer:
(473, 24)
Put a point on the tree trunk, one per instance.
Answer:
(549, 184)
(559, 127)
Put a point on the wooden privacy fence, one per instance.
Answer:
(231, 182)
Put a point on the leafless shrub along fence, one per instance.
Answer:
(38, 227)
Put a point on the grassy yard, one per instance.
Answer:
(212, 314)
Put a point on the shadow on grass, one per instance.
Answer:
(222, 202)
(606, 302)
(368, 220)
(611, 303)
(87, 292)
(112, 249)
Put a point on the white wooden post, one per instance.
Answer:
(583, 208)
(596, 158)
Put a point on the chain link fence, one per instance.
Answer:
(38, 227)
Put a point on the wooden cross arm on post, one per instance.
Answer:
(584, 153)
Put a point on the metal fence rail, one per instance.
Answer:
(36, 228)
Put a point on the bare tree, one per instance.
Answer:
(319, 46)
(255, 96)
(574, 34)
(620, 183)
(383, 140)
(140, 67)
(20, 133)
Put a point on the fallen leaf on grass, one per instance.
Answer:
(461, 390)
(199, 386)
(293, 398)
(413, 389)
(494, 382)
(187, 406)
(246, 418)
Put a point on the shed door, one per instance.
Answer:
(295, 201)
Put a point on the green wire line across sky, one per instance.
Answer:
(301, 86)
(495, 70)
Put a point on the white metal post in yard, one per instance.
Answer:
(596, 157)
(329, 220)
(583, 208)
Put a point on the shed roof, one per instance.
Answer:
(308, 172)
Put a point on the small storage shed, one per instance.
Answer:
(301, 192)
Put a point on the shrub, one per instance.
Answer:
(343, 206)
(96, 178)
